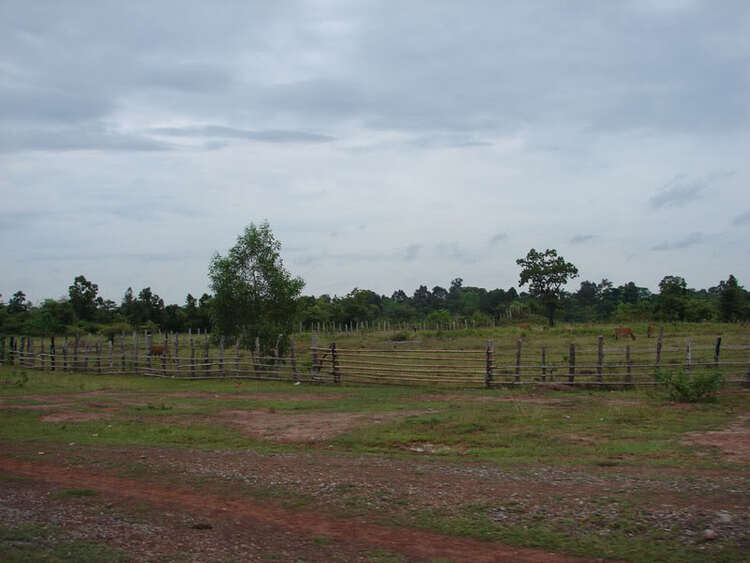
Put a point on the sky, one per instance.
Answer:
(388, 144)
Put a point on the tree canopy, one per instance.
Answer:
(254, 295)
(546, 273)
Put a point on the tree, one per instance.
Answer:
(546, 273)
(731, 300)
(83, 298)
(254, 295)
(18, 303)
(672, 302)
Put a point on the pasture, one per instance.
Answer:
(123, 467)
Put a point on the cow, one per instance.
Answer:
(157, 350)
(651, 330)
(624, 331)
(525, 326)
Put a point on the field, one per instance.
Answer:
(120, 467)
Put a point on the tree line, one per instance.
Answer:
(253, 295)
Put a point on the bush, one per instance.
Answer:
(690, 387)
(402, 336)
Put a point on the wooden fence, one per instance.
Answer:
(509, 363)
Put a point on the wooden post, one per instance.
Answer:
(276, 358)
(488, 371)
(75, 353)
(221, 356)
(335, 364)
(628, 366)
(111, 353)
(192, 356)
(52, 353)
(256, 357)
(295, 375)
(688, 355)
(42, 359)
(135, 352)
(314, 352)
(30, 351)
(86, 349)
(98, 357)
(65, 355)
(237, 357)
(22, 355)
(599, 359)
(149, 351)
(544, 363)
(206, 356)
(164, 354)
(572, 363)
(747, 373)
(122, 352)
(658, 346)
(518, 360)
(717, 349)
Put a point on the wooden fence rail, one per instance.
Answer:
(491, 366)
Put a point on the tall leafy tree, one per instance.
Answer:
(254, 295)
(82, 296)
(546, 273)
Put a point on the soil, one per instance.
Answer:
(734, 442)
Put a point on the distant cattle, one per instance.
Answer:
(624, 331)
(651, 330)
(157, 350)
(525, 326)
(568, 328)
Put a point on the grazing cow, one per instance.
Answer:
(651, 330)
(623, 331)
(568, 329)
(157, 350)
(525, 326)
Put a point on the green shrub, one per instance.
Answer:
(690, 387)
(401, 336)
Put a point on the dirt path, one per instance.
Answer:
(415, 544)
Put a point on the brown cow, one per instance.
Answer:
(157, 350)
(525, 326)
(623, 331)
(651, 330)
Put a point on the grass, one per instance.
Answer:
(49, 543)
(583, 430)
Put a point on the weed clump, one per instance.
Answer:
(685, 387)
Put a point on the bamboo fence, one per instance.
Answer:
(509, 363)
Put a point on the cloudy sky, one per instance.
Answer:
(389, 144)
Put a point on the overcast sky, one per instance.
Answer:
(389, 144)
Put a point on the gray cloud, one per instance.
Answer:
(268, 136)
(692, 239)
(76, 138)
(742, 219)
(499, 237)
(580, 239)
(677, 192)
(412, 252)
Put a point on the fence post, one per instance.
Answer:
(256, 356)
(688, 355)
(717, 348)
(52, 352)
(22, 355)
(518, 360)
(75, 353)
(192, 355)
(149, 351)
(41, 353)
(544, 363)
(164, 354)
(30, 351)
(747, 373)
(206, 355)
(314, 352)
(572, 363)
(98, 357)
(628, 375)
(488, 372)
(658, 346)
(221, 356)
(110, 343)
(65, 355)
(599, 358)
(122, 352)
(135, 352)
(335, 364)
(276, 359)
(237, 357)
(295, 375)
